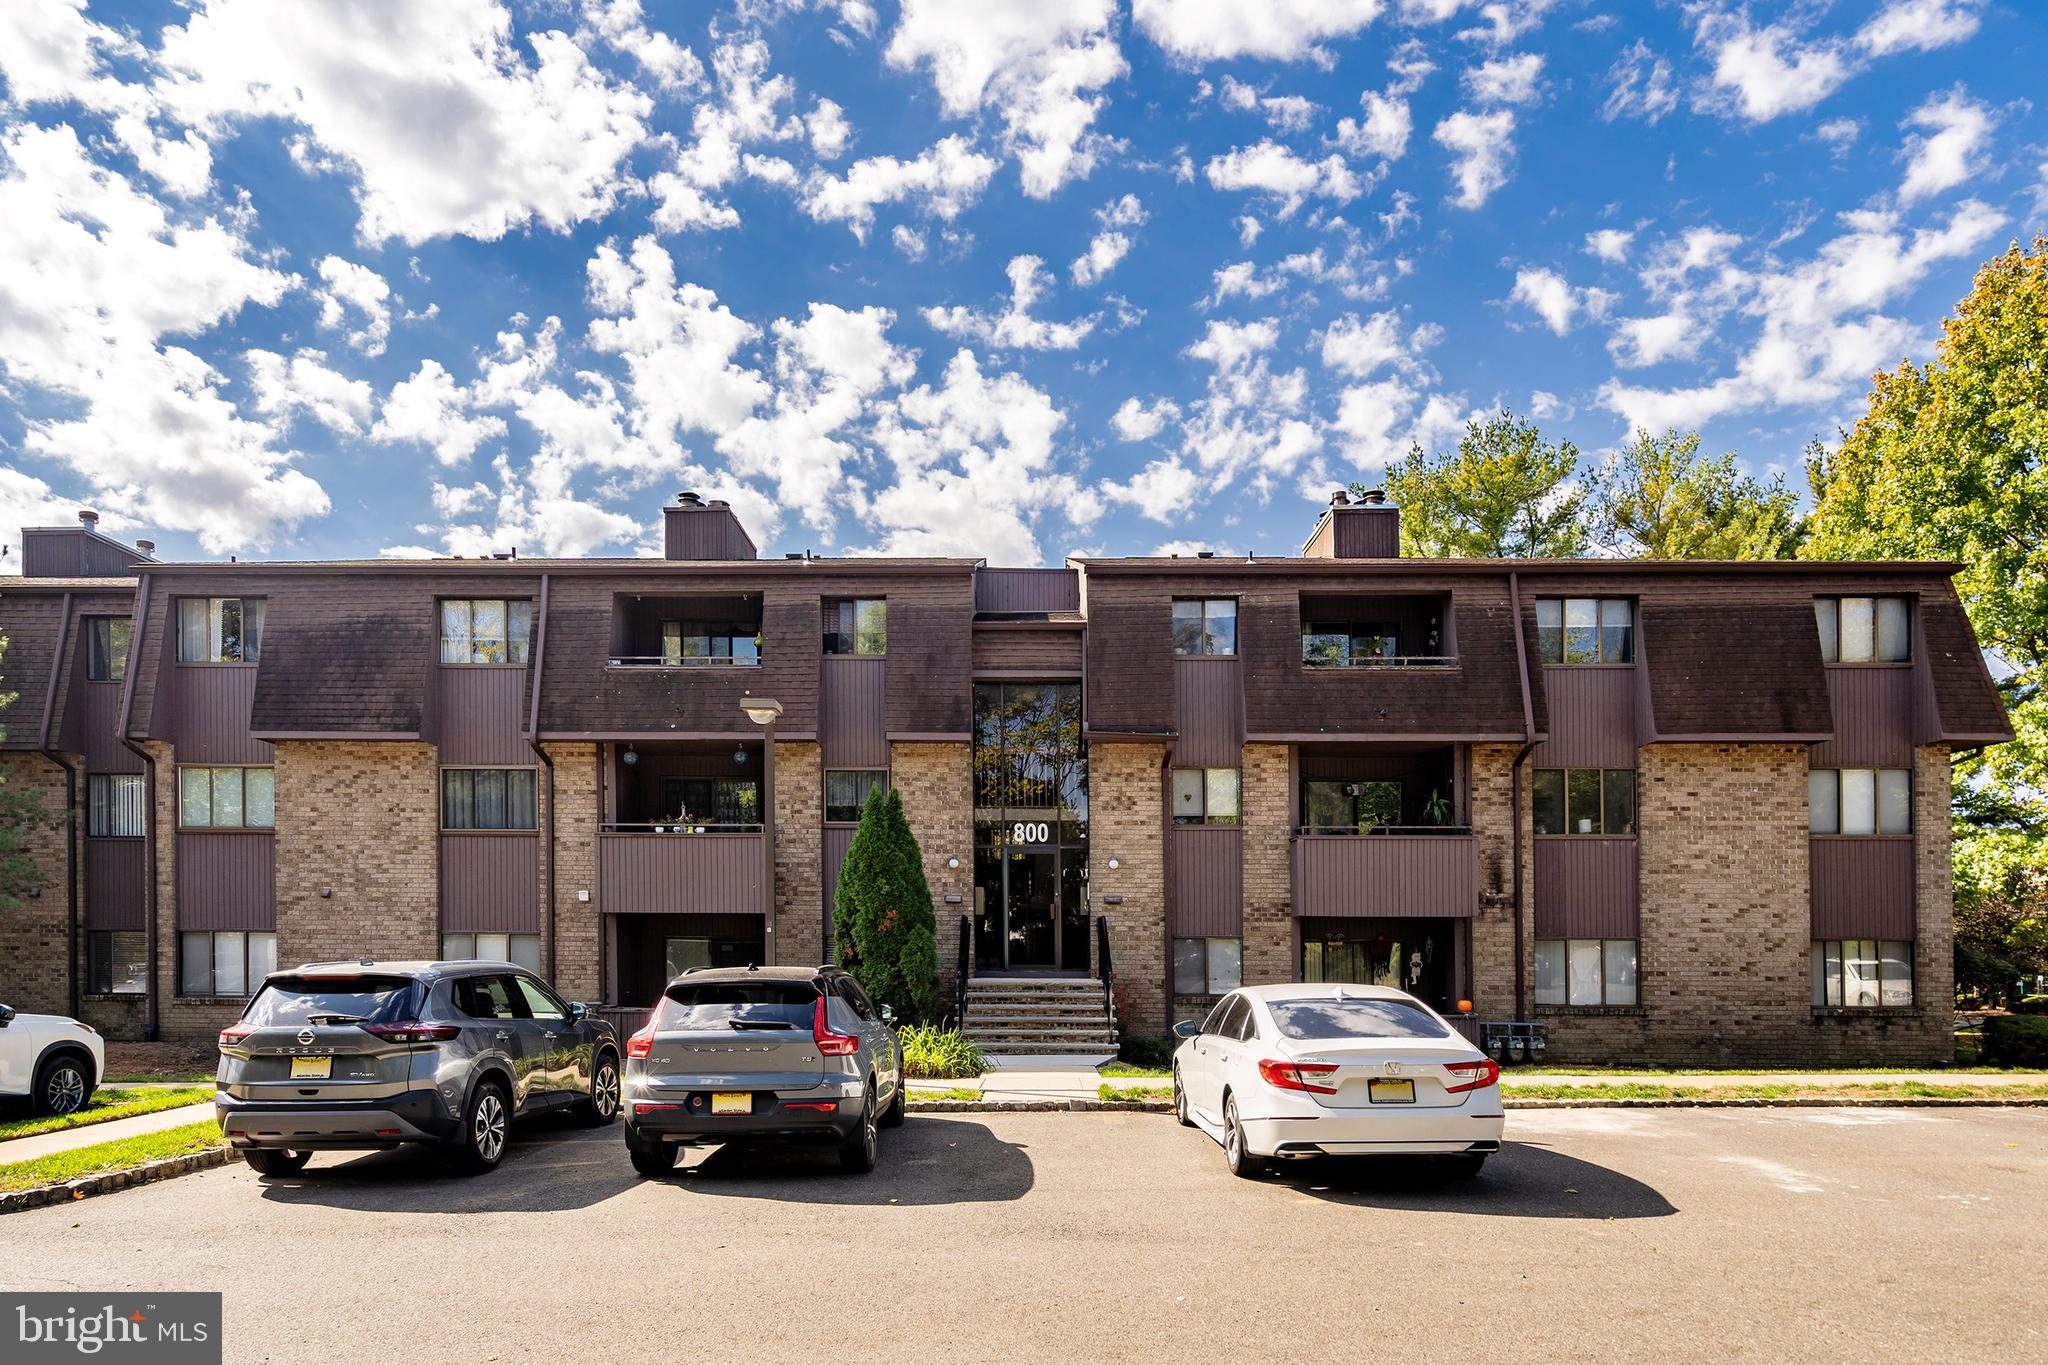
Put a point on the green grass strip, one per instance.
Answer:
(1133, 1094)
(1642, 1090)
(120, 1155)
(205, 1078)
(104, 1107)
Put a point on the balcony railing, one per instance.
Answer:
(1381, 661)
(663, 870)
(678, 826)
(1406, 872)
(681, 661)
(1398, 831)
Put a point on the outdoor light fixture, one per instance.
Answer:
(1115, 862)
(761, 710)
(739, 756)
(629, 758)
(953, 861)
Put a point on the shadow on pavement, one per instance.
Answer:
(925, 1162)
(1520, 1181)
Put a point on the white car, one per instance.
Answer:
(55, 1062)
(1284, 1072)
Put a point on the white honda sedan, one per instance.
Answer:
(1282, 1072)
(54, 1061)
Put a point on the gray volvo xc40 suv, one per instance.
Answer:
(340, 1056)
(777, 1054)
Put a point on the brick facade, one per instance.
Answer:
(1493, 929)
(1266, 807)
(1124, 815)
(574, 855)
(33, 937)
(936, 781)
(799, 854)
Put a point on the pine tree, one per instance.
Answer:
(882, 914)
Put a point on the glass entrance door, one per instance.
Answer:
(1030, 828)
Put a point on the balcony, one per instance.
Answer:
(649, 870)
(686, 632)
(1377, 631)
(1393, 872)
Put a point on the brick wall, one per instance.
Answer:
(574, 971)
(33, 935)
(1124, 801)
(179, 1021)
(799, 854)
(1266, 806)
(937, 784)
(1493, 930)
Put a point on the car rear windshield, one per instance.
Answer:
(1330, 1017)
(347, 999)
(737, 1004)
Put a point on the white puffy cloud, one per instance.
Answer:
(434, 410)
(1287, 113)
(350, 288)
(1042, 65)
(1112, 243)
(1014, 326)
(1947, 150)
(1483, 145)
(1271, 168)
(622, 26)
(1134, 421)
(1639, 86)
(1554, 299)
(829, 131)
(1918, 26)
(1212, 30)
(305, 383)
(447, 123)
(1770, 71)
(1609, 244)
(1161, 490)
(1352, 274)
(1838, 133)
(908, 241)
(1506, 80)
(679, 343)
(1384, 130)
(746, 111)
(942, 180)
(26, 500)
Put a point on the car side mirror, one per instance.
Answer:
(888, 1016)
(1187, 1028)
(6, 1015)
(577, 1010)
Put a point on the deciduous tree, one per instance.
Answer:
(1662, 499)
(1505, 492)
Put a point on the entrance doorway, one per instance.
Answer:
(655, 949)
(1419, 956)
(1030, 828)
(1030, 908)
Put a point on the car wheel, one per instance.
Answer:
(892, 1117)
(1464, 1166)
(1180, 1102)
(858, 1149)
(61, 1086)
(1242, 1163)
(603, 1105)
(653, 1161)
(486, 1126)
(274, 1162)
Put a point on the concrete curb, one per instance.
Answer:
(1166, 1106)
(108, 1181)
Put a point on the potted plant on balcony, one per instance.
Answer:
(1437, 809)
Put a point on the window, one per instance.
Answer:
(487, 997)
(1207, 966)
(541, 1003)
(1584, 800)
(106, 648)
(1328, 645)
(1350, 807)
(117, 963)
(701, 643)
(1585, 630)
(1205, 796)
(1862, 973)
(1585, 971)
(485, 631)
(1205, 626)
(227, 798)
(487, 798)
(521, 950)
(1863, 630)
(857, 626)
(220, 630)
(718, 802)
(1327, 1017)
(1859, 801)
(113, 805)
(227, 964)
(846, 793)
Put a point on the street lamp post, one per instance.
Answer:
(763, 711)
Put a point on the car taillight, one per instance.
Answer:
(831, 1044)
(234, 1034)
(1298, 1076)
(412, 1031)
(1472, 1075)
(641, 1043)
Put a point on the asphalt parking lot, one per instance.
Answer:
(1672, 1234)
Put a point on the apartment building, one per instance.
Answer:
(1669, 811)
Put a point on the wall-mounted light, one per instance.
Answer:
(739, 756)
(1115, 862)
(326, 892)
(953, 861)
(629, 758)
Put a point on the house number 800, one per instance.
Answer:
(1022, 833)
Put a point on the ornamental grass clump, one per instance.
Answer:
(931, 1053)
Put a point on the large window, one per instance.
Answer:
(1205, 796)
(227, 798)
(1584, 800)
(1585, 630)
(695, 805)
(1585, 971)
(1030, 827)
(847, 791)
(487, 798)
(858, 625)
(1350, 807)
(220, 630)
(521, 950)
(1862, 973)
(224, 964)
(1863, 630)
(1859, 801)
(1204, 626)
(1326, 644)
(117, 962)
(485, 630)
(1207, 966)
(106, 648)
(114, 805)
(710, 643)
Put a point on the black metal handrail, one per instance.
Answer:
(1385, 661)
(676, 826)
(682, 661)
(1107, 970)
(960, 975)
(1362, 831)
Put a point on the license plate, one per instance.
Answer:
(1390, 1092)
(732, 1102)
(312, 1068)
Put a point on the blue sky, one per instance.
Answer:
(1022, 278)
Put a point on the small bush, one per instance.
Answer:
(931, 1053)
(2033, 1004)
(1147, 1052)
(2019, 1040)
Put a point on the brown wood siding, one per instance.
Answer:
(227, 881)
(1209, 713)
(681, 874)
(838, 838)
(1037, 652)
(1027, 591)
(490, 883)
(1873, 713)
(1366, 532)
(1592, 718)
(74, 552)
(1587, 888)
(708, 532)
(853, 720)
(1385, 876)
(1863, 888)
(931, 645)
(478, 716)
(114, 877)
(99, 730)
(205, 713)
(1130, 657)
(1207, 881)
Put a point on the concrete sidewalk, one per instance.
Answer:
(92, 1134)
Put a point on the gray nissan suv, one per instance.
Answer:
(346, 1056)
(776, 1054)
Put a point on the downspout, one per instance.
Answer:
(540, 657)
(70, 817)
(1515, 791)
(141, 614)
